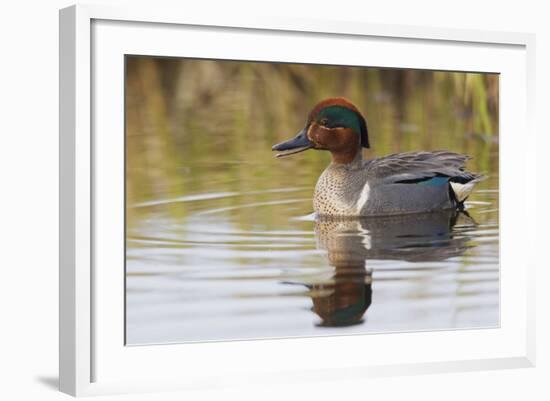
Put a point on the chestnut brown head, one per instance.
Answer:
(335, 125)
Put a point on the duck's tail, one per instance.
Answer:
(462, 186)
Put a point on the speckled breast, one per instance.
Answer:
(337, 191)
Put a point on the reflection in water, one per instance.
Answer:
(350, 243)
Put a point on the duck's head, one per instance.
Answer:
(335, 125)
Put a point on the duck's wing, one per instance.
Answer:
(414, 167)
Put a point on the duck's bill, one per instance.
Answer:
(295, 145)
(293, 151)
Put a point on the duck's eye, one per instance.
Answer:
(324, 121)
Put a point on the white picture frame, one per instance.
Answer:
(93, 358)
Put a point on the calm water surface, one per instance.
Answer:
(217, 273)
(221, 241)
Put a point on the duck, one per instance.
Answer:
(399, 183)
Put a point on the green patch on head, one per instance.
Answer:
(337, 116)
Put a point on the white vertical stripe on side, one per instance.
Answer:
(363, 198)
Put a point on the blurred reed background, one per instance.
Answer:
(195, 126)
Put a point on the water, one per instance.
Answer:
(222, 243)
(213, 274)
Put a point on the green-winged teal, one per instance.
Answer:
(400, 183)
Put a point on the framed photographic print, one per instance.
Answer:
(289, 199)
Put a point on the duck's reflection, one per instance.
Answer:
(343, 299)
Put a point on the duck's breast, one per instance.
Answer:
(337, 192)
